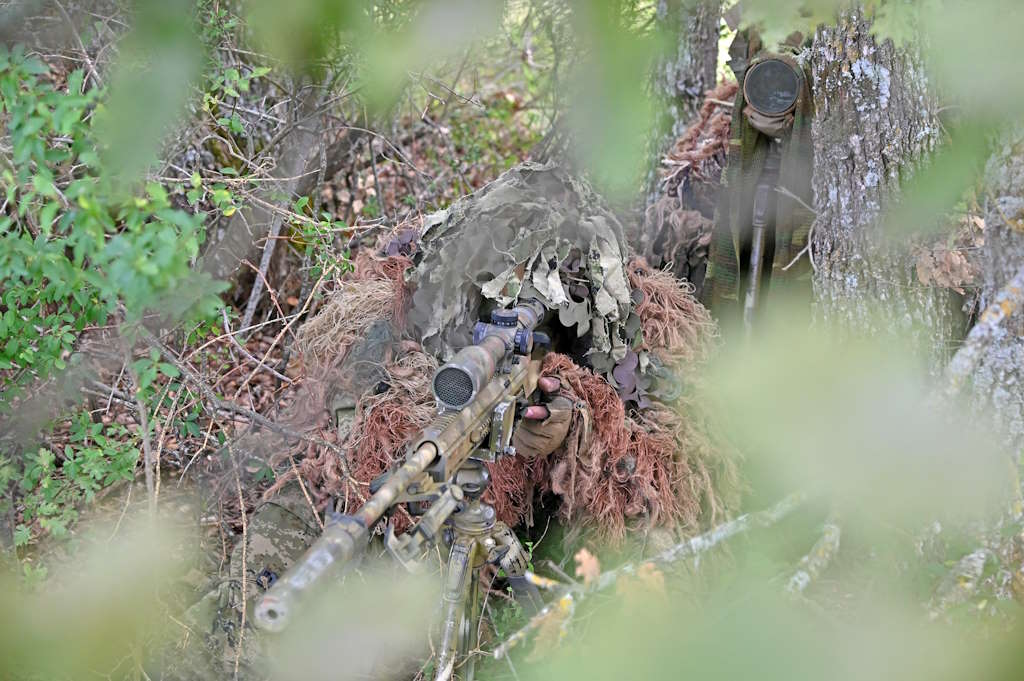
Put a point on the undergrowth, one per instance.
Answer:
(86, 253)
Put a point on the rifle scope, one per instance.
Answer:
(509, 332)
(771, 87)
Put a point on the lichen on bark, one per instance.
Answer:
(687, 72)
(998, 379)
(875, 125)
(682, 75)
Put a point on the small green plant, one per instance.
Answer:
(78, 249)
(315, 238)
(53, 485)
(508, 616)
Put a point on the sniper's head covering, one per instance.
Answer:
(536, 231)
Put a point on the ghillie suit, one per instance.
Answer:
(678, 226)
(538, 232)
(535, 232)
(754, 139)
(636, 469)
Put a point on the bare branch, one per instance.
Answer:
(1006, 303)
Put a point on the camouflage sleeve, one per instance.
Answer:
(278, 532)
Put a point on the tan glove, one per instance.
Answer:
(544, 426)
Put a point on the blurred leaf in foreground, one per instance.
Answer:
(159, 58)
(374, 625)
(610, 110)
(855, 420)
(748, 629)
(93, 616)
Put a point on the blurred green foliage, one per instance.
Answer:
(856, 420)
(70, 257)
(81, 247)
(373, 625)
(850, 420)
(611, 111)
(745, 627)
(160, 58)
(97, 616)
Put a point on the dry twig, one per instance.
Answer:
(1006, 303)
(572, 594)
(817, 560)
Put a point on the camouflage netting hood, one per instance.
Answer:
(370, 351)
(537, 232)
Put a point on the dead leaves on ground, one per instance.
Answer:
(949, 265)
(588, 567)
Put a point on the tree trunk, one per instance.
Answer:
(999, 376)
(681, 78)
(686, 73)
(875, 124)
(682, 75)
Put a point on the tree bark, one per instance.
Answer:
(875, 124)
(686, 73)
(998, 379)
(683, 74)
(681, 77)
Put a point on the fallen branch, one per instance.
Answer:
(225, 406)
(1006, 303)
(257, 286)
(245, 353)
(147, 449)
(817, 560)
(572, 594)
(960, 584)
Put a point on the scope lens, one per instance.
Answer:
(771, 87)
(453, 387)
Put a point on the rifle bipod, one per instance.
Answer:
(477, 538)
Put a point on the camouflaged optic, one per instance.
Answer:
(536, 231)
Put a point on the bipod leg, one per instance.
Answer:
(460, 600)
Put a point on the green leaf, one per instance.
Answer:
(22, 535)
(169, 370)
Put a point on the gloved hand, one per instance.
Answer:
(544, 426)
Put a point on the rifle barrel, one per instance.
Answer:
(337, 546)
(374, 508)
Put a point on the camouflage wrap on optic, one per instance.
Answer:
(535, 232)
(748, 148)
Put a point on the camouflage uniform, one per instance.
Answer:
(535, 232)
(751, 137)
(278, 532)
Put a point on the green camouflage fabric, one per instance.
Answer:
(278, 532)
(536, 231)
(748, 149)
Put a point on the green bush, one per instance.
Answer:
(78, 247)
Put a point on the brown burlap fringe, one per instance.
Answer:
(632, 470)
